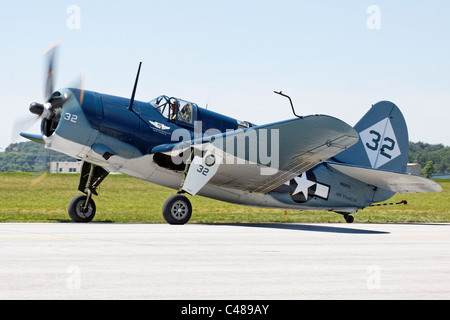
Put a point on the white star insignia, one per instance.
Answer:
(303, 184)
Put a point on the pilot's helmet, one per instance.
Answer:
(186, 108)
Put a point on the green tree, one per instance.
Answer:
(428, 170)
(28, 157)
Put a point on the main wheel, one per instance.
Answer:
(177, 209)
(76, 212)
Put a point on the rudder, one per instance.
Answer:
(383, 143)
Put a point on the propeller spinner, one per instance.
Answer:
(41, 110)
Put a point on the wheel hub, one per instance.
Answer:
(179, 210)
(82, 211)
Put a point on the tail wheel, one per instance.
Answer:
(79, 212)
(349, 218)
(177, 209)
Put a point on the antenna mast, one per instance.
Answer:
(135, 87)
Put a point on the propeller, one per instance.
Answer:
(48, 112)
(54, 100)
(41, 110)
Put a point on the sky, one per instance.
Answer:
(332, 57)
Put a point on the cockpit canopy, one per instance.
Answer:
(185, 114)
(175, 109)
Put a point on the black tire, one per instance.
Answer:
(177, 209)
(75, 209)
(349, 218)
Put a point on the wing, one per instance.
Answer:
(393, 181)
(259, 159)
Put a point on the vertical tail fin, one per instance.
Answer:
(383, 143)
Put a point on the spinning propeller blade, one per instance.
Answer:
(48, 112)
(51, 54)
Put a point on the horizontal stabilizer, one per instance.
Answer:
(393, 181)
(33, 137)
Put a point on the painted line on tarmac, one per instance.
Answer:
(425, 236)
(38, 238)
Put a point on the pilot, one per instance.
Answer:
(186, 113)
(173, 110)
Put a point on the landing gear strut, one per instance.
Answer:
(82, 208)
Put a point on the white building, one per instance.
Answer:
(414, 168)
(65, 167)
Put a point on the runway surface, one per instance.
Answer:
(219, 261)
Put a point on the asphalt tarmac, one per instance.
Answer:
(224, 261)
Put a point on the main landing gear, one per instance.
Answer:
(82, 207)
(177, 209)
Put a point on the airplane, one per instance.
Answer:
(314, 162)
